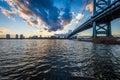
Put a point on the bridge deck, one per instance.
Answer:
(108, 14)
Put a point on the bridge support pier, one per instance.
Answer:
(102, 29)
(109, 32)
(94, 29)
(103, 13)
(105, 27)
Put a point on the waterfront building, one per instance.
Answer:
(35, 37)
(7, 36)
(40, 36)
(21, 36)
(61, 35)
(16, 36)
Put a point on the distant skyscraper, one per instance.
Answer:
(7, 36)
(21, 36)
(40, 36)
(16, 36)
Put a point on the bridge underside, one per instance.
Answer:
(110, 13)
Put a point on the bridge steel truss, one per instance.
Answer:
(105, 27)
(104, 13)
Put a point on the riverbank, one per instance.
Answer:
(31, 38)
(101, 39)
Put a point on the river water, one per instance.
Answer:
(58, 60)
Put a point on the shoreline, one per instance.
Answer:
(31, 38)
(101, 40)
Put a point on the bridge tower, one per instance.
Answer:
(104, 27)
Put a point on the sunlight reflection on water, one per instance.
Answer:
(58, 60)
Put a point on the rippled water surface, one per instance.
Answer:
(58, 60)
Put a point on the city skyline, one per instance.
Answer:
(33, 35)
(57, 17)
(21, 36)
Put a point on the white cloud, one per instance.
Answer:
(36, 22)
(4, 30)
(7, 12)
(90, 7)
(77, 22)
(79, 16)
(18, 8)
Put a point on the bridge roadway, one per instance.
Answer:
(108, 14)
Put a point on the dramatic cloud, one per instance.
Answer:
(3, 30)
(37, 12)
(67, 15)
(90, 7)
(7, 12)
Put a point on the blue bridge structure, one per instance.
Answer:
(103, 13)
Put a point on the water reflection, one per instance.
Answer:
(101, 63)
(58, 60)
(104, 64)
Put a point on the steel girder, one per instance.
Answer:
(105, 28)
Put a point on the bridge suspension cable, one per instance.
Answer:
(83, 10)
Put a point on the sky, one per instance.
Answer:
(46, 17)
